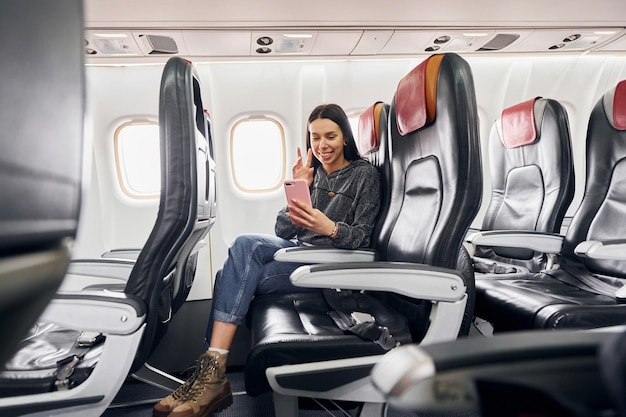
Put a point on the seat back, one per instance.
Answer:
(435, 171)
(372, 142)
(165, 267)
(532, 176)
(40, 156)
(602, 211)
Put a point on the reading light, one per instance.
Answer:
(475, 34)
(297, 35)
(557, 46)
(572, 38)
(111, 35)
(264, 40)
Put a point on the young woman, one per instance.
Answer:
(345, 192)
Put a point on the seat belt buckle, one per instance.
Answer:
(386, 340)
(66, 369)
(360, 317)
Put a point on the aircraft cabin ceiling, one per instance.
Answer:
(348, 28)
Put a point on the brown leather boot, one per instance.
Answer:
(209, 392)
(164, 407)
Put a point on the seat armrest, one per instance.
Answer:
(85, 273)
(321, 254)
(538, 241)
(443, 287)
(445, 376)
(418, 281)
(594, 249)
(601, 250)
(131, 254)
(103, 268)
(106, 312)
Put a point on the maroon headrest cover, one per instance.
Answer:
(416, 96)
(368, 140)
(518, 124)
(619, 106)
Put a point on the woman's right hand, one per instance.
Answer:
(303, 170)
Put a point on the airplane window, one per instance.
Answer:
(137, 159)
(258, 154)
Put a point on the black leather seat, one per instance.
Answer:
(373, 141)
(587, 289)
(419, 269)
(532, 185)
(42, 130)
(133, 312)
(532, 373)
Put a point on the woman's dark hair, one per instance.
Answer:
(336, 114)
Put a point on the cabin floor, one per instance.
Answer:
(137, 398)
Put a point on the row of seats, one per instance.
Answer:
(583, 285)
(524, 370)
(533, 185)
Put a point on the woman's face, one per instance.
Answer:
(327, 143)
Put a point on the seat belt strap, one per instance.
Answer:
(348, 317)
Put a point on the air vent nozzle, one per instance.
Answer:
(501, 40)
(157, 44)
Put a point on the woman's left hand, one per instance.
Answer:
(310, 218)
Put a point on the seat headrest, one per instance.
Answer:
(416, 96)
(519, 124)
(369, 122)
(615, 106)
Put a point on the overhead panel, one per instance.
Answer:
(282, 43)
(407, 42)
(160, 42)
(336, 42)
(371, 42)
(459, 41)
(581, 39)
(110, 43)
(619, 44)
(217, 42)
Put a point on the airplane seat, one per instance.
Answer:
(532, 176)
(88, 341)
(569, 373)
(372, 134)
(41, 157)
(372, 143)
(416, 279)
(587, 290)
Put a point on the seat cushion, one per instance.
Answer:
(296, 328)
(541, 301)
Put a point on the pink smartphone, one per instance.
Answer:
(298, 190)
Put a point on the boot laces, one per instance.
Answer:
(206, 374)
(181, 393)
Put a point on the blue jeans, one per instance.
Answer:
(250, 270)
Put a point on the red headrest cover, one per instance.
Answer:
(518, 124)
(416, 96)
(368, 128)
(619, 106)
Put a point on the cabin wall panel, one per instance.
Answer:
(288, 91)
